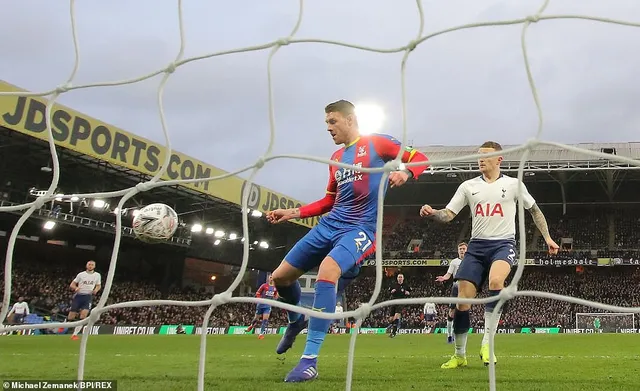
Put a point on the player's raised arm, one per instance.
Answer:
(388, 148)
(444, 278)
(313, 209)
(452, 209)
(538, 218)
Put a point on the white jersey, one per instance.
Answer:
(454, 265)
(20, 308)
(493, 206)
(429, 308)
(87, 281)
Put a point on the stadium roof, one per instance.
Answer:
(542, 158)
(542, 153)
(90, 163)
(82, 134)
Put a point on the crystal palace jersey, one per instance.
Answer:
(356, 193)
(493, 206)
(266, 291)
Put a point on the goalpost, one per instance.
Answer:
(226, 297)
(604, 322)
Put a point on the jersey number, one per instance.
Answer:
(362, 242)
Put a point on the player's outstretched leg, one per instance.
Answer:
(324, 301)
(263, 327)
(285, 279)
(461, 324)
(450, 326)
(497, 275)
(254, 323)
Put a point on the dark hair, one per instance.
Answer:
(491, 144)
(342, 106)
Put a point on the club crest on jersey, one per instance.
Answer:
(488, 210)
(362, 151)
(348, 175)
(504, 192)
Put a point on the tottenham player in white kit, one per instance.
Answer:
(492, 198)
(85, 286)
(430, 314)
(451, 273)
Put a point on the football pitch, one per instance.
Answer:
(526, 362)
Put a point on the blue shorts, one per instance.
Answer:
(347, 246)
(263, 309)
(81, 302)
(480, 255)
(18, 318)
(429, 317)
(454, 293)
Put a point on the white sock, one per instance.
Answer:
(77, 330)
(461, 344)
(489, 326)
(450, 328)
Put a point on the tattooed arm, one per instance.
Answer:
(541, 223)
(439, 215)
(450, 211)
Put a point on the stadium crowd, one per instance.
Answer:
(46, 290)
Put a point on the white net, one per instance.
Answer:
(226, 297)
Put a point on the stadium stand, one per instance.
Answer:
(590, 204)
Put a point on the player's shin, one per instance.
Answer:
(450, 326)
(263, 325)
(491, 325)
(324, 301)
(461, 324)
(290, 295)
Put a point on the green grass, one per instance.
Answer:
(409, 362)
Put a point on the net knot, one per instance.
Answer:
(533, 18)
(63, 88)
(260, 162)
(508, 293)
(412, 45)
(171, 68)
(363, 311)
(283, 41)
(143, 186)
(393, 165)
(221, 298)
(40, 201)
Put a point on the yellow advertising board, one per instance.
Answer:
(89, 136)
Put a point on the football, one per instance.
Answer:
(155, 223)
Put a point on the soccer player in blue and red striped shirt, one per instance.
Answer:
(345, 236)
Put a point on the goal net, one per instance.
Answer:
(226, 297)
(605, 322)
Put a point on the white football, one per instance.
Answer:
(155, 222)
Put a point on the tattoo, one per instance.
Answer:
(443, 216)
(540, 221)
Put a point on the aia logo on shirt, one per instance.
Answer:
(488, 210)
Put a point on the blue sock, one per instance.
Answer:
(290, 295)
(263, 326)
(461, 322)
(324, 301)
(489, 307)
